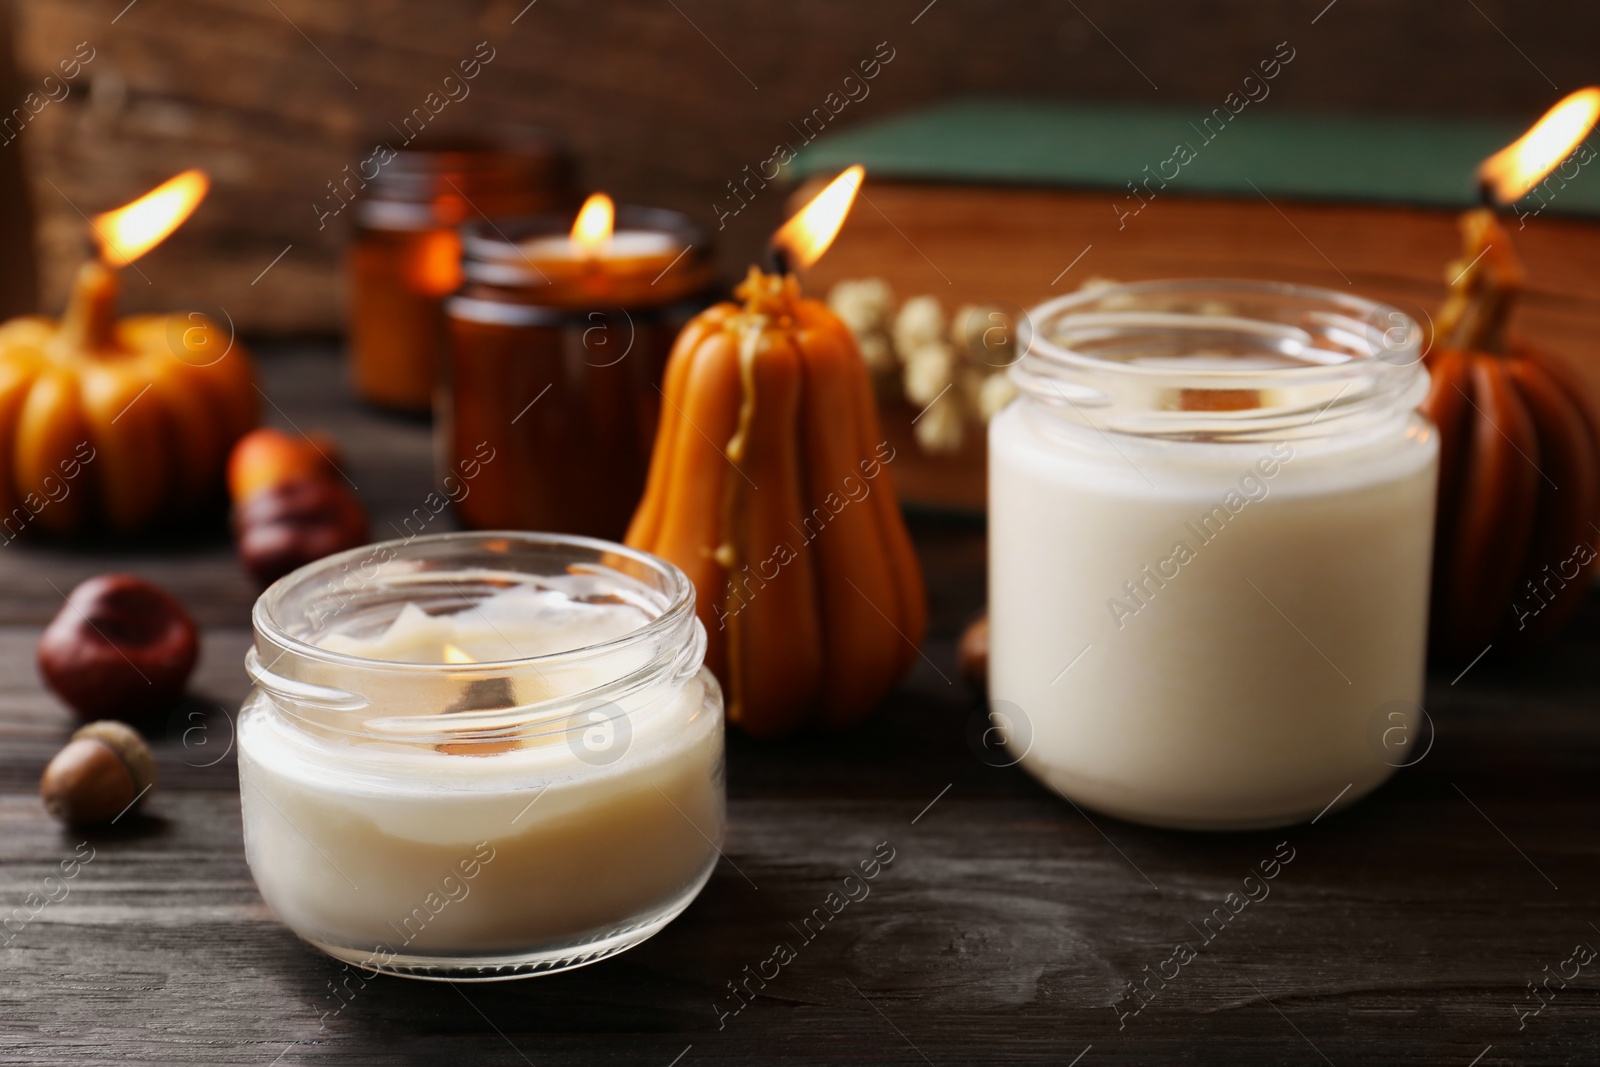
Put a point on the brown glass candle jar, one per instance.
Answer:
(555, 362)
(406, 254)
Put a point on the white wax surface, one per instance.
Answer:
(1242, 688)
(520, 623)
(623, 244)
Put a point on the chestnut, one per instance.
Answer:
(267, 457)
(119, 647)
(101, 773)
(973, 654)
(286, 526)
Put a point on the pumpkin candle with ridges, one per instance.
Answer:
(1519, 474)
(1519, 463)
(769, 487)
(120, 424)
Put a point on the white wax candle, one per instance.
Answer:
(1210, 530)
(367, 844)
(1235, 682)
(623, 244)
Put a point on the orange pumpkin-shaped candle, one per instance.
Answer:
(770, 486)
(1519, 464)
(111, 424)
(114, 424)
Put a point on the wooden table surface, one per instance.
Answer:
(1405, 930)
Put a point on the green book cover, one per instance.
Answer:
(1398, 160)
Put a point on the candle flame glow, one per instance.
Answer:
(130, 231)
(595, 221)
(452, 654)
(1511, 172)
(812, 229)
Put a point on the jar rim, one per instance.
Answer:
(491, 252)
(1158, 358)
(494, 261)
(680, 602)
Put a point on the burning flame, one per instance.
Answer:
(452, 654)
(134, 229)
(595, 220)
(1519, 166)
(806, 236)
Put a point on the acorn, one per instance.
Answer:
(103, 771)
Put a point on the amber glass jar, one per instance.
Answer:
(406, 254)
(554, 371)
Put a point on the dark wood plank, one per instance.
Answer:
(1403, 931)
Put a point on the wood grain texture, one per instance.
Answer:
(664, 102)
(1403, 931)
(19, 283)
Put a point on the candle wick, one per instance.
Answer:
(777, 260)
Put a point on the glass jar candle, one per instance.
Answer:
(556, 357)
(1210, 527)
(480, 757)
(405, 257)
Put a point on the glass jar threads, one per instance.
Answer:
(1211, 517)
(480, 757)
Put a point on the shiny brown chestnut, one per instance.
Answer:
(285, 526)
(120, 647)
(102, 772)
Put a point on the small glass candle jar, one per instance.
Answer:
(555, 368)
(405, 257)
(480, 757)
(1210, 527)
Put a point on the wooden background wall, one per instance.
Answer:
(665, 100)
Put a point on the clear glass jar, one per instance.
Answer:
(1210, 529)
(430, 806)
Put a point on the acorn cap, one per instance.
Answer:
(125, 741)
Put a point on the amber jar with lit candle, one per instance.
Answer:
(406, 255)
(557, 343)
